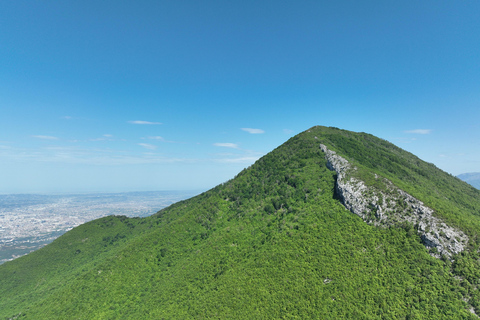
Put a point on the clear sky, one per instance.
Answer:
(176, 95)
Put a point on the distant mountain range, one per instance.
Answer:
(472, 178)
(332, 224)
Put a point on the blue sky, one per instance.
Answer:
(182, 95)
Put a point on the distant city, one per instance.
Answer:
(30, 221)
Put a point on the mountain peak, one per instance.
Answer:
(332, 224)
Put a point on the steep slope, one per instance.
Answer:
(386, 205)
(277, 241)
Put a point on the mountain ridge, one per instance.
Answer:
(274, 242)
(380, 208)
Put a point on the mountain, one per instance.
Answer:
(472, 178)
(332, 224)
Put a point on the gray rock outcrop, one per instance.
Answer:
(392, 206)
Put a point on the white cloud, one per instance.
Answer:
(90, 156)
(105, 137)
(403, 139)
(419, 131)
(253, 131)
(45, 137)
(143, 122)
(248, 160)
(225, 154)
(162, 139)
(288, 131)
(156, 138)
(226, 145)
(109, 156)
(148, 146)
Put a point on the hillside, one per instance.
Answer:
(472, 178)
(284, 239)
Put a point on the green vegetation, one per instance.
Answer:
(453, 200)
(272, 243)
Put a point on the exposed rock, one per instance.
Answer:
(392, 206)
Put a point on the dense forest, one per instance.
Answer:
(275, 242)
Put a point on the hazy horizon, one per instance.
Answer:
(121, 96)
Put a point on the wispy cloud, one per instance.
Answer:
(288, 131)
(452, 155)
(404, 140)
(90, 156)
(155, 138)
(143, 122)
(226, 145)
(238, 156)
(148, 146)
(419, 131)
(159, 138)
(105, 137)
(109, 157)
(253, 131)
(45, 137)
(248, 160)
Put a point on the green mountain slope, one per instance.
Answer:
(274, 242)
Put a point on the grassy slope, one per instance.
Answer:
(452, 199)
(30, 278)
(271, 243)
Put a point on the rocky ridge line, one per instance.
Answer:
(393, 207)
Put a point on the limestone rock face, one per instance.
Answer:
(392, 206)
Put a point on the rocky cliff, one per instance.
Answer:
(392, 206)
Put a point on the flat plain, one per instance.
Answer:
(30, 221)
